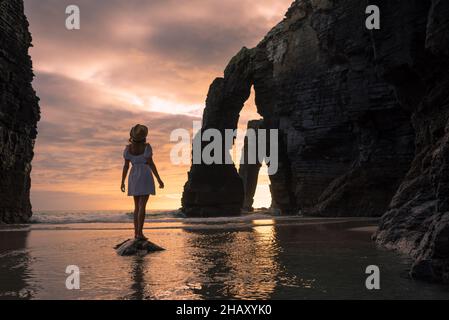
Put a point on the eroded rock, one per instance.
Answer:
(345, 140)
(363, 120)
(249, 172)
(416, 62)
(19, 113)
(138, 247)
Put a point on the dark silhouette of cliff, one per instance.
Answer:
(19, 113)
(363, 121)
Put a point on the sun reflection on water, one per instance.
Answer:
(264, 229)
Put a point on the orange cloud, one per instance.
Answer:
(133, 61)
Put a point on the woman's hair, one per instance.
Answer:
(137, 148)
(132, 141)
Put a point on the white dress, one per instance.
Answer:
(140, 180)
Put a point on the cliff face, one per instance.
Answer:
(19, 113)
(345, 141)
(416, 62)
(249, 171)
(363, 121)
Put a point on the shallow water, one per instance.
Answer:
(255, 257)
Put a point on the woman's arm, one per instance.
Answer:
(156, 174)
(124, 174)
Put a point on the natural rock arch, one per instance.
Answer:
(217, 189)
(350, 105)
(344, 140)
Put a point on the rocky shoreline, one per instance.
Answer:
(363, 117)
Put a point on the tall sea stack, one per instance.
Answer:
(19, 113)
(362, 116)
(345, 140)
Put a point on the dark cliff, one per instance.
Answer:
(345, 141)
(362, 116)
(416, 61)
(19, 113)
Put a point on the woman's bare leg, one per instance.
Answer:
(136, 218)
(142, 210)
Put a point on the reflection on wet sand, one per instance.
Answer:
(325, 260)
(14, 257)
(234, 264)
(260, 259)
(138, 289)
(145, 272)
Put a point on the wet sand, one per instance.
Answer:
(276, 258)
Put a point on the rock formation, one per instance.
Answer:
(362, 116)
(19, 113)
(217, 190)
(416, 61)
(345, 141)
(249, 170)
(136, 247)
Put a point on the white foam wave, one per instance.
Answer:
(74, 217)
(78, 217)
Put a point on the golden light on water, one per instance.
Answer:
(264, 229)
(263, 222)
(253, 260)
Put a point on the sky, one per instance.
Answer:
(136, 61)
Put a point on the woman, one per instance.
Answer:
(140, 181)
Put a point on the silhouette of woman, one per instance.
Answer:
(140, 181)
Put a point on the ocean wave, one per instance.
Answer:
(75, 217)
(173, 216)
(123, 220)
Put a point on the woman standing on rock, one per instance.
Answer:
(140, 182)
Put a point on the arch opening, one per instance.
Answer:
(218, 189)
(255, 178)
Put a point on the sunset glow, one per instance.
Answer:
(136, 61)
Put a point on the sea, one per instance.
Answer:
(70, 255)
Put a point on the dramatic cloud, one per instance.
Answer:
(81, 141)
(133, 61)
